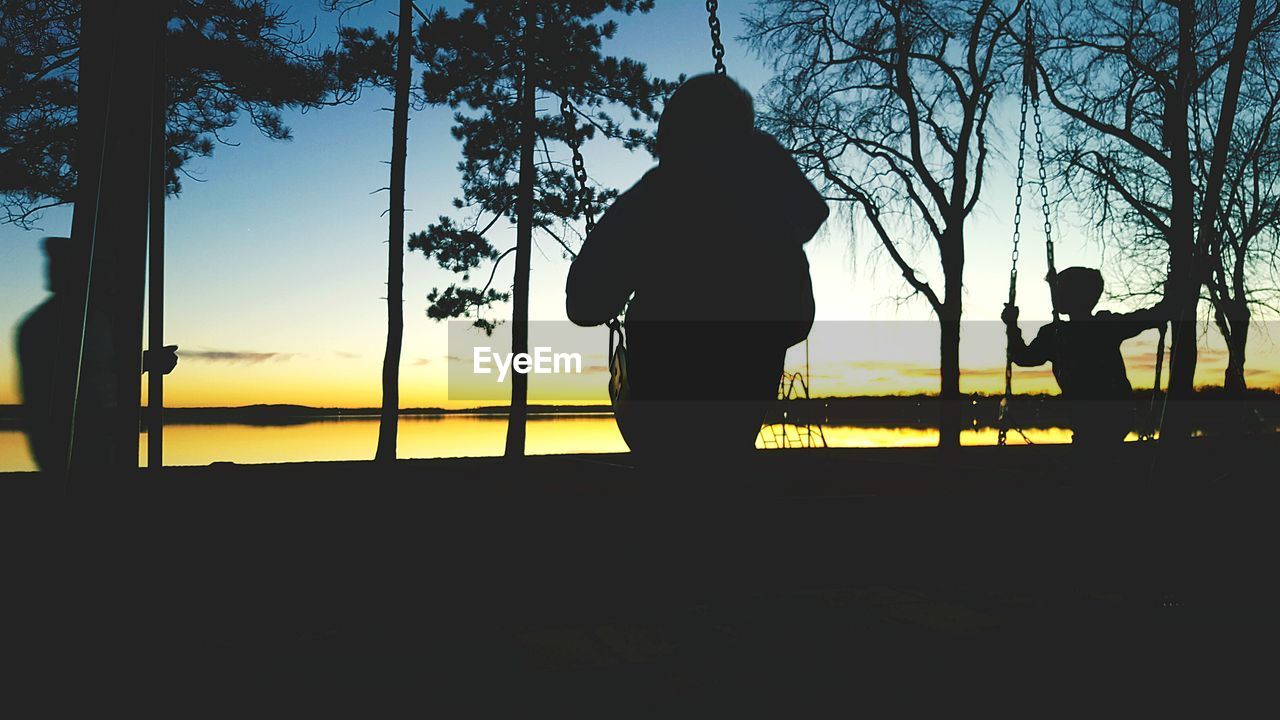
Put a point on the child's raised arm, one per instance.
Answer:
(1134, 323)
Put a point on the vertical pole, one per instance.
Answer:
(807, 388)
(155, 259)
(120, 285)
(518, 413)
(107, 407)
(93, 100)
(388, 427)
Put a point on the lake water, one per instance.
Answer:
(453, 436)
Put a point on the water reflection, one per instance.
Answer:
(451, 436)
(849, 436)
(15, 454)
(356, 438)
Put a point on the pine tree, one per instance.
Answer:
(494, 62)
(225, 58)
(386, 61)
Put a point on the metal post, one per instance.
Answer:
(155, 259)
(116, 98)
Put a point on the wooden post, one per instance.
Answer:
(114, 164)
(155, 260)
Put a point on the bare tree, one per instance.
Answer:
(490, 62)
(1150, 91)
(888, 102)
(1241, 259)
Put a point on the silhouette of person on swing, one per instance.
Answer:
(709, 247)
(1085, 353)
(53, 378)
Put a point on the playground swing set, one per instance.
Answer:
(1030, 101)
(135, 209)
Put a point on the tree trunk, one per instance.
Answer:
(1182, 350)
(1184, 300)
(1186, 278)
(388, 426)
(524, 244)
(1233, 381)
(1183, 285)
(950, 423)
(1226, 127)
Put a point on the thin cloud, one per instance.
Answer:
(1041, 371)
(1203, 355)
(234, 357)
(1145, 358)
(876, 365)
(347, 355)
(919, 371)
(422, 361)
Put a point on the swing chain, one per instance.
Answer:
(1150, 429)
(717, 47)
(1029, 97)
(581, 196)
(1017, 201)
(582, 201)
(1151, 426)
(1044, 199)
(1003, 423)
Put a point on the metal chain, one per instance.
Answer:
(1044, 202)
(717, 47)
(1030, 97)
(1149, 430)
(1017, 202)
(582, 202)
(1003, 432)
(580, 198)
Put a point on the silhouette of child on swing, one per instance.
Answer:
(709, 247)
(1085, 353)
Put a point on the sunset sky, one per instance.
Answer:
(276, 257)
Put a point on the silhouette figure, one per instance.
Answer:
(709, 247)
(48, 340)
(1085, 352)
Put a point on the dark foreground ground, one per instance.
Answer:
(578, 585)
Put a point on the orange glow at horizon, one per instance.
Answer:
(334, 380)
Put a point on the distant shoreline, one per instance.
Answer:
(904, 409)
(288, 414)
(10, 414)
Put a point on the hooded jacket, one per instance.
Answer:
(710, 249)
